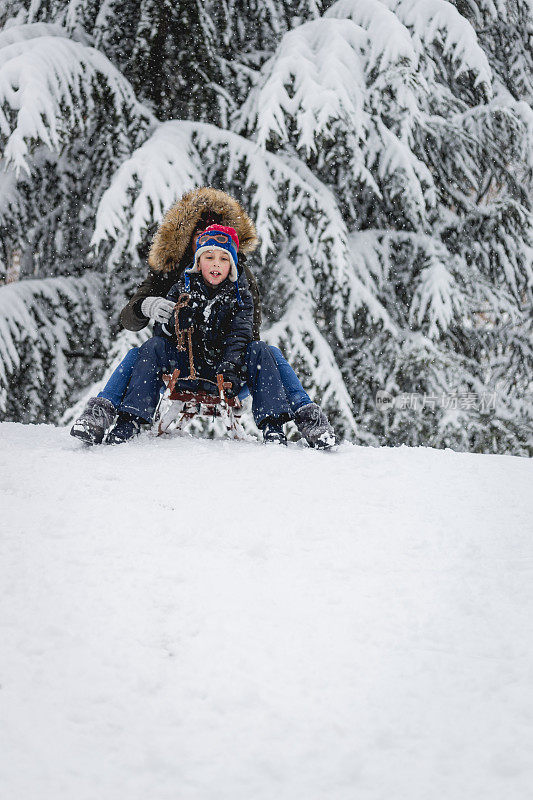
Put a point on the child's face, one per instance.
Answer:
(214, 266)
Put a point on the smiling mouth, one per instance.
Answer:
(215, 273)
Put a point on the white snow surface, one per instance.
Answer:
(183, 619)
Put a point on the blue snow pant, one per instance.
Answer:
(296, 394)
(115, 388)
(157, 356)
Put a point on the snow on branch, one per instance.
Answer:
(408, 175)
(389, 41)
(437, 298)
(12, 34)
(156, 174)
(338, 68)
(439, 21)
(11, 201)
(345, 87)
(39, 321)
(317, 75)
(298, 334)
(47, 85)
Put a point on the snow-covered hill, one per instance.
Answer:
(195, 620)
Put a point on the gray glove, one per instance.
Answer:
(159, 309)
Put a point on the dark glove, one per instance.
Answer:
(232, 374)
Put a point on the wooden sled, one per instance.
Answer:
(187, 403)
(188, 396)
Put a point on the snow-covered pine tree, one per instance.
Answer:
(97, 71)
(402, 132)
(67, 119)
(505, 31)
(362, 149)
(484, 218)
(47, 329)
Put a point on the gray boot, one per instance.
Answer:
(314, 426)
(98, 415)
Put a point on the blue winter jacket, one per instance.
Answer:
(222, 318)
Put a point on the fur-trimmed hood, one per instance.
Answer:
(179, 223)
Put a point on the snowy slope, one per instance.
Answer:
(195, 620)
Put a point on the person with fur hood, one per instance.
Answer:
(171, 252)
(218, 313)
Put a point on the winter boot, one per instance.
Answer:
(98, 415)
(273, 433)
(314, 426)
(126, 428)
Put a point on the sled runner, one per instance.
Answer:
(194, 396)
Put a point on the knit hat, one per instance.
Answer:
(218, 237)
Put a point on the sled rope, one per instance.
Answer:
(222, 386)
(183, 301)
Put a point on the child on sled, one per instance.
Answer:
(219, 312)
(171, 252)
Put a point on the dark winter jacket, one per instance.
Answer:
(171, 251)
(222, 322)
